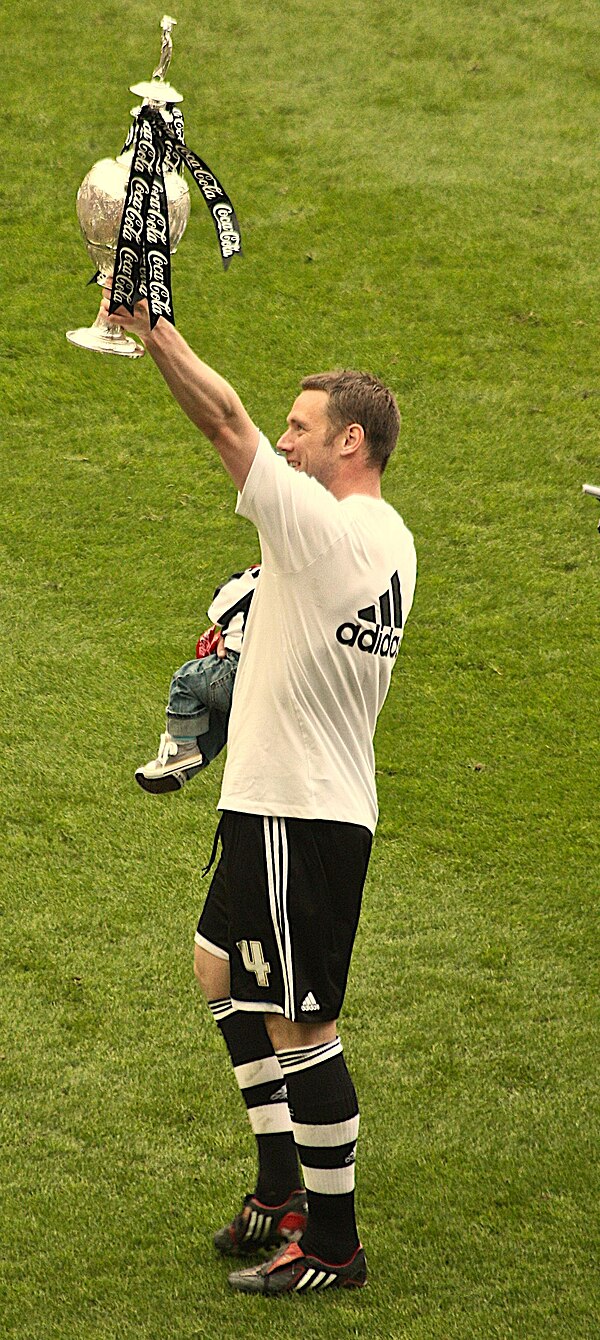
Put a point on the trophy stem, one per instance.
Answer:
(103, 338)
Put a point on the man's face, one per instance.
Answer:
(308, 440)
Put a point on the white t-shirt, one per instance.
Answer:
(336, 585)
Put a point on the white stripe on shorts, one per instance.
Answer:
(278, 905)
(284, 909)
(210, 947)
(260, 1006)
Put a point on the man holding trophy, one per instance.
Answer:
(298, 798)
(298, 801)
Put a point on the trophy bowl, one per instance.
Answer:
(100, 201)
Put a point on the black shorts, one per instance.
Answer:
(283, 907)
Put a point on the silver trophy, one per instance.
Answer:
(101, 197)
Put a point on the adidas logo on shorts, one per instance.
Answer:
(309, 1003)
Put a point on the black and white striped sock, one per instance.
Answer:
(263, 1088)
(325, 1120)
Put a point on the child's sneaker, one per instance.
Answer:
(177, 761)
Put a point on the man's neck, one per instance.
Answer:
(367, 484)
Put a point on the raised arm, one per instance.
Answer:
(207, 399)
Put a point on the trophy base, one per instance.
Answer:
(108, 340)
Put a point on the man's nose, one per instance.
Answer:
(283, 444)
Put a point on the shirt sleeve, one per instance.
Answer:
(297, 519)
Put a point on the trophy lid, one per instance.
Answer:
(156, 90)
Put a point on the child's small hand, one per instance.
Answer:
(220, 648)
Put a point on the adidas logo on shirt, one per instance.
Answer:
(380, 640)
(309, 1003)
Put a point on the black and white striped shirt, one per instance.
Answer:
(231, 603)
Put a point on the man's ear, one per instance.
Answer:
(355, 436)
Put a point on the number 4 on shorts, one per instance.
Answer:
(254, 961)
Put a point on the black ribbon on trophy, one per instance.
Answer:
(143, 256)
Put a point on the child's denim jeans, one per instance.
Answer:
(200, 701)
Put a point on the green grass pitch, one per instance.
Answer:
(418, 192)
